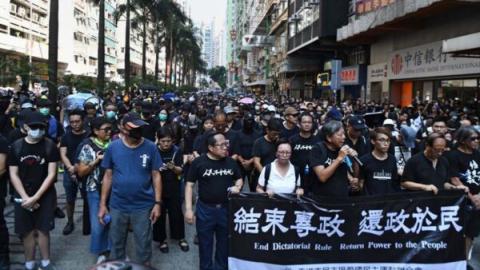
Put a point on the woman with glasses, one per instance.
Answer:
(88, 167)
(171, 170)
(464, 163)
(280, 176)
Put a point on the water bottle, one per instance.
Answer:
(306, 171)
(106, 219)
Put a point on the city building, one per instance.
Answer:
(24, 36)
(419, 50)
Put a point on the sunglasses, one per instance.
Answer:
(474, 139)
(36, 127)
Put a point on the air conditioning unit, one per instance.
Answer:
(13, 8)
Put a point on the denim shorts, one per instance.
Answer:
(71, 187)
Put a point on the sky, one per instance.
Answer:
(205, 10)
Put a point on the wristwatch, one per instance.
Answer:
(159, 202)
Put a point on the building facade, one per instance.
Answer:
(421, 50)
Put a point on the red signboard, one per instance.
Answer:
(364, 6)
(349, 75)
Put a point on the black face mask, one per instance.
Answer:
(135, 133)
(248, 125)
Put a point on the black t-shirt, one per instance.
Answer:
(337, 184)
(214, 178)
(71, 141)
(264, 150)
(4, 177)
(170, 181)
(32, 161)
(362, 146)
(419, 169)
(466, 167)
(287, 133)
(244, 144)
(301, 148)
(380, 176)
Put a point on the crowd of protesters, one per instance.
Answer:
(135, 161)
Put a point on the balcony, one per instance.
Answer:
(261, 16)
(401, 15)
(40, 6)
(21, 46)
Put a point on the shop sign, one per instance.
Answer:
(429, 61)
(365, 6)
(350, 75)
(377, 72)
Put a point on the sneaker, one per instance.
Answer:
(35, 267)
(68, 228)
(48, 267)
(101, 259)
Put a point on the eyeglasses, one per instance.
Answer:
(285, 153)
(223, 145)
(108, 129)
(474, 139)
(383, 140)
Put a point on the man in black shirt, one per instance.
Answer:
(290, 127)
(219, 125)
(33, 166)
(379, 171)
(4, 239)
(215, 173)
(68, 149)
(148, 131)
(302, 145)
(330, 163)
(428, 171)
(244, 145)
(355, 139)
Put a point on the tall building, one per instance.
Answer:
(24, 35)
(208, 49)
(220, 49)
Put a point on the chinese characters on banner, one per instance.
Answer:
(416, 230)
(429, 61)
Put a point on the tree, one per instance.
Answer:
(124, 9)
(53, 53)
(219, 75)
(101, 46)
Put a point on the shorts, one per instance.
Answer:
(41, 219)
(71, 187)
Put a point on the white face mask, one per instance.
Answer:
(36, 134)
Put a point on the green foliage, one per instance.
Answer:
(219, 75)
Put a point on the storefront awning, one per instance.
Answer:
(258, 83)
(463, 46)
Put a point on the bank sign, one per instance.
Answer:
(429, 61)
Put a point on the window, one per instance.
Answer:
(292, 29)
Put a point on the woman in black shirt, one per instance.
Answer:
(171, 170)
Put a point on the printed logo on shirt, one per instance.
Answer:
(32, 160)
(472, 175)
(328, 161)
(382, 176)
(300, 147)
(144, 158)
(212, 172)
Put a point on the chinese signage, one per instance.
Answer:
(349, 75)
(429, 61)
(401, 231)
(364, 6)
(377, 72)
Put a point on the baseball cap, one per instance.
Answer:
(133, 120)
(389, 121)
(357, 122)
(271, 108)
(229, 109)
(290, 111)
(43, 102)
(35, 118)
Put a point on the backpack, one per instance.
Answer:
(268, 168)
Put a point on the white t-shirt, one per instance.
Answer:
(278, 183)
